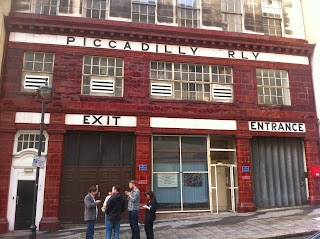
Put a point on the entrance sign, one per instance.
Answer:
(166, 180)
(76, 41)
(39, 162)
(277, 126)
(101, 120)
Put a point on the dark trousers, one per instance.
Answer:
(90, 229)
(133, 217)
(148, 227)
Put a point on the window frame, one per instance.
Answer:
(232, 13)
(107, 77)
(34, 72)
(155, 4)
(286, 99)
(33, 7)
(265, 16)
(210, 81)
(34, 132)
(107, 10)
(199, 20)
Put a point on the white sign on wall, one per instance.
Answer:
(166, 180)
(277, 126)
(155, 48)
(181, 123)
(31, 118)
(101, 120)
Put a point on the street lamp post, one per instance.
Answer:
(44, 96)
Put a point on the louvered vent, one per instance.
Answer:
(222, 92)
(34, 82)
(161, 89)
(102, 86)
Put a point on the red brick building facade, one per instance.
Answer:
(252, 127)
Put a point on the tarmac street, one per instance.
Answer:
(293, 222)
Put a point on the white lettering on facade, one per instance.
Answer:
(101, 120)
(277, 126)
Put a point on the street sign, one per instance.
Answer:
(245, 168)
(39, 161)
(142, 167)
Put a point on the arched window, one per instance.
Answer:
(30, 140)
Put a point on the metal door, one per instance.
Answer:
(278, 171)
(24, 202)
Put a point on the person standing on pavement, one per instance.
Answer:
(104, 207)
(151, 209)
(133, 208)
(115, 206)
(91, 211)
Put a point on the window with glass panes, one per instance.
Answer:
(144, 11)
(180, 172)
(37, 70)
(30, 141)
(38, 62)
(191, 81)
(271, 12)
(96, 8)
(188, 13)
(231, 15)
(47, 7)
(102, 76)
(273, 87)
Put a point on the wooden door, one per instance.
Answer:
(103, 159)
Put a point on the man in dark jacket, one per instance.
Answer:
(115, 206)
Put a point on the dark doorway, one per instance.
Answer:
(94, 158)
(24, 203)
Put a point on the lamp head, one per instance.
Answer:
(45, 93)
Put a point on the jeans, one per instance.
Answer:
(133, 217)
(90, 229)
(115, 226)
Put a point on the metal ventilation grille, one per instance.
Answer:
(161, 89)
(34, 82)
(102, 86)
(222, 92)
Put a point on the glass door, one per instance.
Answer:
(224, 176)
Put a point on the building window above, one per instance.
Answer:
(231, 15)
(47, 7)
(191, 82)
(144, 11)
(188, 13)
(271, 11)
(37, 70)
(95, 8)
(102, 76)
(273, 87)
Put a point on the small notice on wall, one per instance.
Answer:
(167, 180)
(193, 179)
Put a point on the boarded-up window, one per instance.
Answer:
(165, 11)
(120, 8)
(211, 13)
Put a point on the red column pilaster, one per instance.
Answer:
(7, 132)
(143, 157)
(243, 137)
(56, 131)
(312, 158)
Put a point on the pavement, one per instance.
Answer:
(294, 222)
